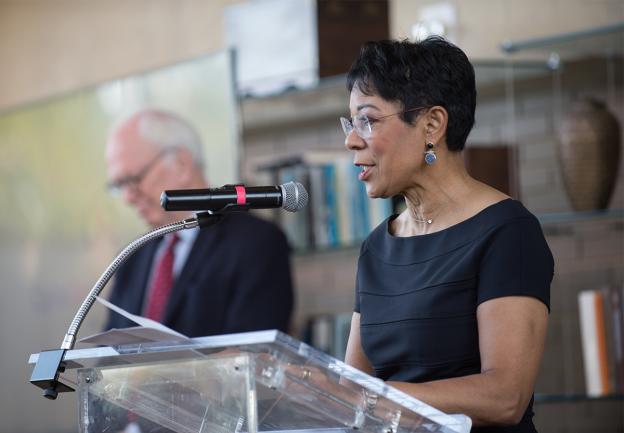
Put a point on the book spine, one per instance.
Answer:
(617, 324)
(319, 207)
(342, 169)
(594, 343)
(601, 336)
(360, 208)
(332, 206)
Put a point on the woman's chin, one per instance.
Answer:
(373, 192)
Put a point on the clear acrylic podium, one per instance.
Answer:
(240, 383)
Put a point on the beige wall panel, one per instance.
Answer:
(484, 24)
(50, 47)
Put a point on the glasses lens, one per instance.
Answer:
(363, 126)
(114, 188)
(347, 126)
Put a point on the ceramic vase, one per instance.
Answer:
(589, 153)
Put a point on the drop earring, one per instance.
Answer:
(430, 155)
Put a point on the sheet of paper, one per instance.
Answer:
(139, 320)
(134, 335)
(149, 330)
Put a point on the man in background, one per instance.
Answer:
(231, 277)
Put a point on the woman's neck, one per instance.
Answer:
(438, 197)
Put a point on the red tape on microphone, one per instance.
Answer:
(241, 195)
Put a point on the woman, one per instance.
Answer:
(452, 295)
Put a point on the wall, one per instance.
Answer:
(482, 25)
(51, 47)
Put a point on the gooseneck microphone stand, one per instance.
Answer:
(50, 363)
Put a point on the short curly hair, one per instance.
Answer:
(420, 74)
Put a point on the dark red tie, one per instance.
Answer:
(162, 281)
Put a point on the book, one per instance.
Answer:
(359, 202)
(333, 238)
(614, 296)
(319, 207)
(344, 190)
(594, 343)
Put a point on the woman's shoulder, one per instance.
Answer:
(488, 204)
(508, 213)
(508, 224)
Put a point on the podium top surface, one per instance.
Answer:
(276, 350)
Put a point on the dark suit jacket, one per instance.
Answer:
(236, 278)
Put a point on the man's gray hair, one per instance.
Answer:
(167, 130)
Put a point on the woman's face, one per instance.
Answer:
(392, 156)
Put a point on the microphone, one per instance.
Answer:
(291, 196)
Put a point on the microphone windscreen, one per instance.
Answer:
(294, 196)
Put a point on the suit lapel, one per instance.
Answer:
(203, 246)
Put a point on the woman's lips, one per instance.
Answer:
(365, 172)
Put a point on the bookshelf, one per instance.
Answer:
(605, 40)
(555, 218)
(575, 398)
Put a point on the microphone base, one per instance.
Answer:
(46, 372)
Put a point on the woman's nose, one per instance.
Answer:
(354, 141)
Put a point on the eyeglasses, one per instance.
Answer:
(363, 124)
(116, 186)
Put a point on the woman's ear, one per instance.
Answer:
(436, 121)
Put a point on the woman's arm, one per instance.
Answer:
(355, 355)
(512, 331)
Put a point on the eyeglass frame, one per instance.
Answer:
(133, 181)
(349, 125)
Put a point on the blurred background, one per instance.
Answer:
(263, 82)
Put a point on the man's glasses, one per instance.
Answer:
(363, 124)
(115, 187)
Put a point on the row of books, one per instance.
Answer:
(329, 333)
(601, 315)
(339, 212)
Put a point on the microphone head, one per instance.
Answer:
(294, 196)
